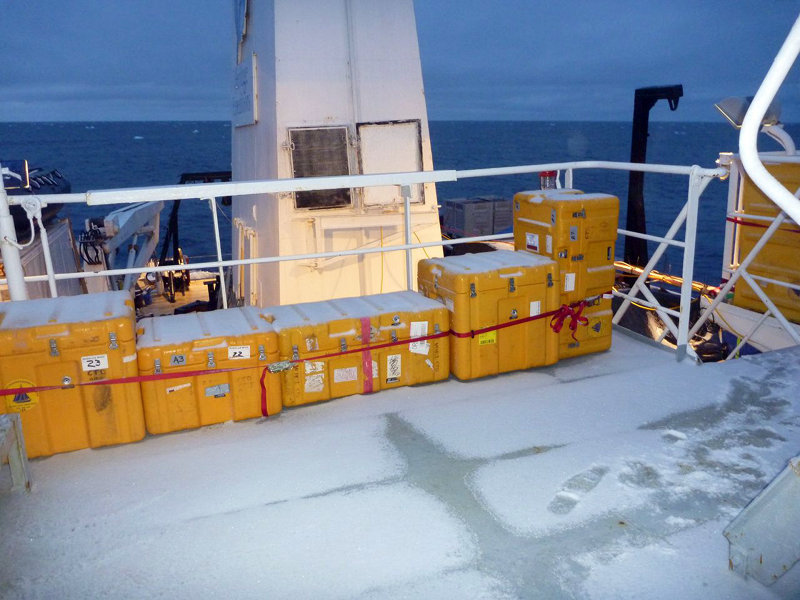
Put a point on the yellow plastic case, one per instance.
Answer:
(237, 338)
(778, 258)
(494, 288)
(62, 342)
(350, 328)
(577, 230)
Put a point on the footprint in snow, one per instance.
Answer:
(574, 489)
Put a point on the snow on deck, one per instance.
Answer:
(606, 476)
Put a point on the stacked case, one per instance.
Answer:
(63, 342)
(236, 344)
(579, 231)
(777, 260)
(495, 288)
(350, 345)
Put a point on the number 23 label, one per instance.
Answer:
(96, 362)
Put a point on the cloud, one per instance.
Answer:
(482, 59)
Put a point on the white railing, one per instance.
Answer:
(698, 180)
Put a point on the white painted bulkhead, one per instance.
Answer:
(328, 87)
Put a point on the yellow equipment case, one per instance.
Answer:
(67, 342)
(224, 354)
(777, 260)
(489, 289)
(360, 345)
(579, 231)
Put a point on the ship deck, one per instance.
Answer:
(605, 476)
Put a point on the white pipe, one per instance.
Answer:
(269, 259)
(406, 191)
(223, 290)
(128, 281)
(762, 295)
(48, 260)
(748, 143)
(206, 190)
(652, 238)
(696, 188)
(12, 264)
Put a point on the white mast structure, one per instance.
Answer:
(328, 87)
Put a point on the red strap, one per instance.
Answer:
(577, 320)
(740, 221)
(567, 312)
(556, 322)
(366, 354)
(264, 410)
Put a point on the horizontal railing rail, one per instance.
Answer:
(698, 179)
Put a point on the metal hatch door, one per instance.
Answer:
(390, 147)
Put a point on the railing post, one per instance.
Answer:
(223, 290)
(11, 260)
(692, 204)
(405, 190)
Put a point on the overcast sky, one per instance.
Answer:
(481, 59)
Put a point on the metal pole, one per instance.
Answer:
(48, 259)
(406, 191)
(223, 288)
(10, 253)
(690, 236)
(128, 281)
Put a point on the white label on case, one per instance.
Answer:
(176, 388)
(315, 383)
(536, 308)
(532, 241)
(393, 370)
(177, 360)
(237, 352)
(569, 282)
(548, 244)
(419, 329)
(95, 362)
(346, 374)
(218, 391)
(315, 376)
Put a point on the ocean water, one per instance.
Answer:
(106, 155)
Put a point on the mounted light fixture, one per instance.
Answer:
(734, 110)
